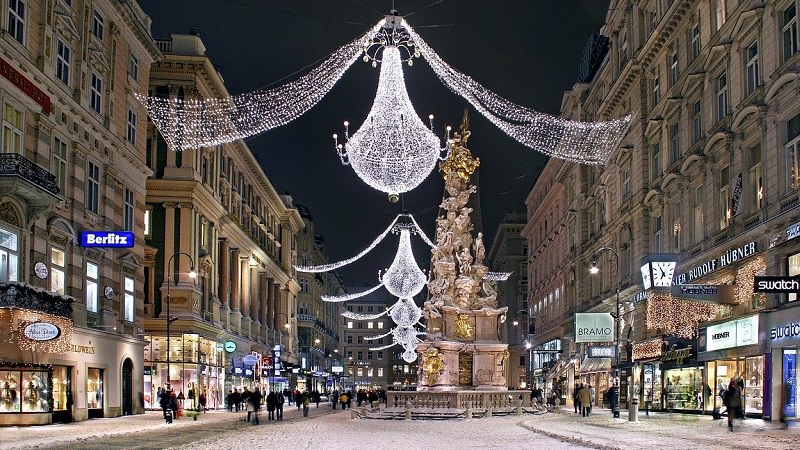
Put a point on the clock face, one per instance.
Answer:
(109, 292)
(662, 273)
(40, 269)
(646, 277)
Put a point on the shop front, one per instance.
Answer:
(783, 334)
(732, 349)
(196, 366)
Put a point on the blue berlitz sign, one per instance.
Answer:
(107, 239)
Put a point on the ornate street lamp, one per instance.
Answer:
(192, 274)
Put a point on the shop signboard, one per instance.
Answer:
(594, 327)
(733, 333)
(784, 328)
(709, 293)
(337, 369)
(230, 346)
(250, 359)
(601, 351)
(706, 267)
(109, 239)
(776, 284)
(41, 331)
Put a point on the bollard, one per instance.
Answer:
(408, 410)
(519, 407)
(469, 409)
(633, 413)
(489, 412)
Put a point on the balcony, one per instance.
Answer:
(24, 296)
(28, 181)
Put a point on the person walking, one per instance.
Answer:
(163, 401)
(536, 397)
(279, 400)
(173, 404)
(343, 400)
(334, 398)
(272, 403)
(591, 391)
(585, 400)
(254, 399)
(575, 401)
(306, 397)
(201, 402)
(732, 399)
(740, 383)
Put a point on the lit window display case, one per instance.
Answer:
(25, 391)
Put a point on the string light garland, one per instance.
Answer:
(648, 349)
(679, 317)
(359, 316)
(745, 279)
(404, 278)
(581, 142)
(195, 123)
(393, 151)
(346, 297)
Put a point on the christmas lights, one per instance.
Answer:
(194, 123)
(346, 297)
(357, 316)
(648, 349)
(679, 317)
(404, 278)
(581, 142)
(405, 312)
(393, 151)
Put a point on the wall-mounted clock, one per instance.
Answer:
(108, 292)
(40, 269)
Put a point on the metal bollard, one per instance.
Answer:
(408, 410)
(633, 413)
(519, 407)
(469, 409)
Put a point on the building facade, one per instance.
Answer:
(365, 368)
(509, 253)
(319, 324)
(706, 175)
(73, 147)
(213, 211)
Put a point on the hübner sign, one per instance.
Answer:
(709, 266)
(594, 327)
(733, 333)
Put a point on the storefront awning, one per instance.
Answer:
(560, 369)
(553, 370)
(591, 365)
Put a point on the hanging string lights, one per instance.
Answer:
(393, 150)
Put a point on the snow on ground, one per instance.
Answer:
(338, 431)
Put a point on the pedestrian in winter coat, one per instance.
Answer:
(585, 400)
(733, 402)
(575, 401)
(279, 400)
(254, 399)
(272, 402)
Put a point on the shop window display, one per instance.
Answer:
(94, 388)
(683, 388)
(60, 388)
(24, 391)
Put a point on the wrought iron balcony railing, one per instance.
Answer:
(13, 164)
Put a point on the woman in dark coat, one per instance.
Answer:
(733, 402)
(272, 400)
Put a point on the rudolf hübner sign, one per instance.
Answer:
(594, 327)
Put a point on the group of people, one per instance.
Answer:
(370, 396)
(583, 398)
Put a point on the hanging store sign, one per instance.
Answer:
(41, 331)
(601, 351)
(109, 239)
(230, 346)
(734, 333)
(594, 327)
(250, 359)
(710, 293)
(737, 193)
(730, 256)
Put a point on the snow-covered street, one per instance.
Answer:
(337, 430)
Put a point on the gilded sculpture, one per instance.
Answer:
(432, 366)
(464, 328)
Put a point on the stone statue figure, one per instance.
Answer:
(480, 250)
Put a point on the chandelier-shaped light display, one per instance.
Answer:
(405, 312)
(393, 151)
(392, 123)
(404, 278)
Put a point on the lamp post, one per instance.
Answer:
(594, 270)
(528, 344)
(280, 342)
(192, 274)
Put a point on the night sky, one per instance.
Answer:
(527, 51)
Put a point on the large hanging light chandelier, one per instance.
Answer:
(393, 151)
(404, 278)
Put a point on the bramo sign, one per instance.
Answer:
(594, 327)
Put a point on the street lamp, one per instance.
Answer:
(280, 342)
(192, 274)
(594, 270)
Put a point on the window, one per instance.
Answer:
(303, 285)
(58, 260)
(360, 325)
(380, 356)
(789, 31)
(63, 58)
(676, 227)
(674, 143)
(755, 181)
(97, 25)
(793, 152)
(128, 207)
(133, 68)
(147, 217)
(13, 121)
(752, 68)
(657, 225)
(656, 151)
(360, 356)
(694, 37)
(370, 325)
(16, 19)
(128, 296)
(59, 163)
(721, 92)
(369, 356)
(697, 216)
(95, 94)
(656, 92)
(380, 325)
(724, 198)
(360, 339)
(623, 47)
(91, 287)
(369, 308)
(673, 68)
(350, 325)
(131, 134)
(697, 122)
(8, 255)
(93, 187)
(349, 339)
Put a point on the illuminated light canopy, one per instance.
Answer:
(679, 317)
(404, 278)
(195, 123)
(581, 142)
(393, 151)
